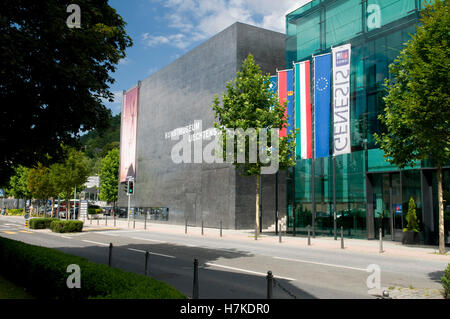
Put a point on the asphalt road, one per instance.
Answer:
(231, 269)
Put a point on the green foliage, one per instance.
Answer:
(54, 78)
(40, 223)
(98, 143)
(445, 280)
(40, 183)
(15, 212)
(93, 210)
(66, 226)
(109, 176)
(17, 187)
(249, 103)
(43, 271)
(73, 172)
(412, 224)
(417, 113)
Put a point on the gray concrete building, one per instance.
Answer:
(177, 96)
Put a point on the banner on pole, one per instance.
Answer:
(341, 100)
(322, 94)
(303, 109)
(128, 134)
(286, 94)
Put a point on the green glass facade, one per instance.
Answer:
(370, 193)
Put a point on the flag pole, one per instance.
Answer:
(313, 195)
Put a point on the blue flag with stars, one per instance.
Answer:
(322, 95)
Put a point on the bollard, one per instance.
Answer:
(134, 222)
(309, 235)
(114, 220)
(106, 220)
(195, 285)
(279, 233)
(220, 228)
(110, 254)
(147, 254)
(269, 284)
(145, 221)
(381, 240)
(98, 221)
(342, 237)
(202, 227)
(185, 227)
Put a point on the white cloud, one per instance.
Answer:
(196, 20)
(124, 61)
(116, 105)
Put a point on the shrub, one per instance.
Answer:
(43, 272)
(411, 217)
(15, 212)
(40, 223)
(93, 210)
(66, 226)
(445, 280)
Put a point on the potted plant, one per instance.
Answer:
(411, 234)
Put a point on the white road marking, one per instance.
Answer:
(94, 242)
(247, 271)
(66, 237)
(143, 251)
(322, 264)
(147, 239)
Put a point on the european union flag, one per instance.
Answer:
(322, 94)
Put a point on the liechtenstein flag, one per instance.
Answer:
(322, 94)
(286, 93)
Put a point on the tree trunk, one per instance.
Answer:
(53, 207)
(441, 211)
(57, 209)
(67, 209)
(258, 179)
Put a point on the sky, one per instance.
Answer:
(164, 30)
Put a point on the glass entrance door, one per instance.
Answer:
(387, 204)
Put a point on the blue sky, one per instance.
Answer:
(164, 30)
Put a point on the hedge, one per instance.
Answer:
(43, 271)
(66, 226)
(445, 280)
(93, 210)
(15, 212)
(40, 223)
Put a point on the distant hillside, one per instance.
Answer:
(97, 144)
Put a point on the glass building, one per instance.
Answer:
(370, 193)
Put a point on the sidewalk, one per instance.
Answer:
(361, 246)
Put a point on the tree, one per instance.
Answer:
(109, 176)
(417, 112)
(17, 186)
(40, 184)
(248, 103)
(73, 172)
(412, 224)
(53, 78)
